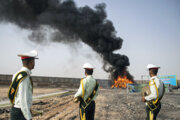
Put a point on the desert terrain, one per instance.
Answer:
(111, 104)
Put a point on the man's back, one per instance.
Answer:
(160, 86)
(89, 84)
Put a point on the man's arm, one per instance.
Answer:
(24, 98)
(79, 92)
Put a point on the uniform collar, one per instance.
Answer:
(154, 77)
(26, 70)
(88, 76)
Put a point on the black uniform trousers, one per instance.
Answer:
(16, 114)
(151, 115)
(89, 111)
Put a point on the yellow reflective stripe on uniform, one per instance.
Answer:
(154, 102)
(150, 84)
(82, 88)
(150, 115)
(82, 116)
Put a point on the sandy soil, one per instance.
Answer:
(36, 91)
(111, 104)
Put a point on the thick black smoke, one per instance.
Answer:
(71, 24)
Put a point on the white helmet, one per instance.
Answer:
(32, 53)
(149, 66)
(88, 66)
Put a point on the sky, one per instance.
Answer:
(150, 31)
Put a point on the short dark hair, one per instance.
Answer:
(89, 71)
(27, 61)
(154, 71)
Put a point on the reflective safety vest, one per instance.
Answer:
(154, 103)
(15, 84)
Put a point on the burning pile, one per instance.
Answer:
(121, 82)
(69, 24)
(121, 77)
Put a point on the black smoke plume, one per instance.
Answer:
(71, 24)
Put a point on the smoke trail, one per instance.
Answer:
(70, 24)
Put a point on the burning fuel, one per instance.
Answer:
(121, 82)
(70, 24)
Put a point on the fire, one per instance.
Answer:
(121, 82)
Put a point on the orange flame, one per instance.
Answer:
(121, 82)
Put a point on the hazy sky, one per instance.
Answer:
(150, 30)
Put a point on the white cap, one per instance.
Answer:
(32, 53)
(88, 66)
(149, 66)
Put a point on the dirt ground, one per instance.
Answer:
(36, 91)
(111, 104)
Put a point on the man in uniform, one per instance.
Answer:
(21, 89)
(87, 94)
(152, 101)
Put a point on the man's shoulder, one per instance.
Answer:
(22, 70)
(90, 78)
(20, 75)
(154, 81)
(151, 82)
(157, 78)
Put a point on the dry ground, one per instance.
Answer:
(36, 91)
(111, 104)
